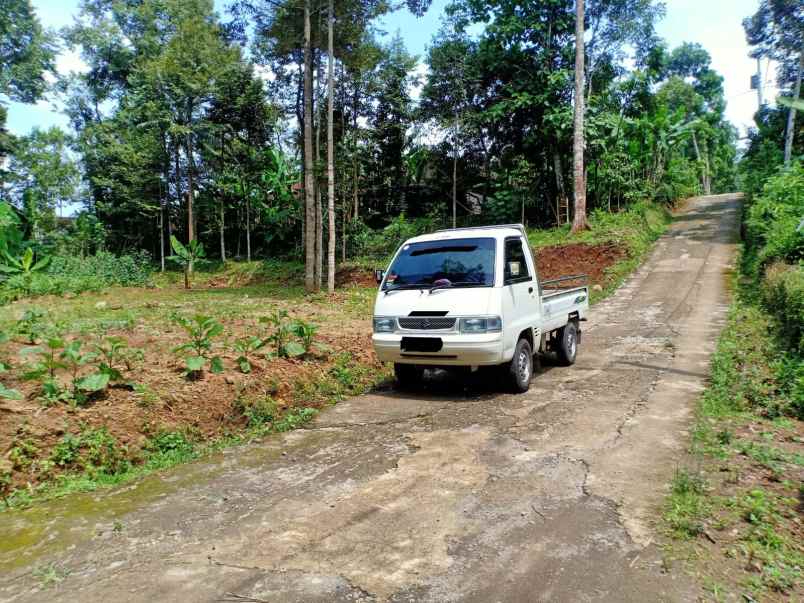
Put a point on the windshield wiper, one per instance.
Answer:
(407, 286)
(458, 284)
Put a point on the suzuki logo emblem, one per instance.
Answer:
(426, 324)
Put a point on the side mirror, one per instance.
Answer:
(513, 269)
(379, 275)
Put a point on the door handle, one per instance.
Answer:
(530, 289)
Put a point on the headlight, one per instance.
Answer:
(490, 324)
(384, 324)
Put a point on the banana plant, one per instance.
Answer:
(186, 256)
(24, 266)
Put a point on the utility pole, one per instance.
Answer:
(759, 84)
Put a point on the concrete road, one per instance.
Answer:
(451, 495)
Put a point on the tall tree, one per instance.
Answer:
(309, 176)
(579, 221)
(776, 31)
(331, 146)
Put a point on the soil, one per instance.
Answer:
(578, 258)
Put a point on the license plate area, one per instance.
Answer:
(421, 344)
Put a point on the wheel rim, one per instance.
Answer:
(571, 344)
(523, 367)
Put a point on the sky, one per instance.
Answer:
(715, 24)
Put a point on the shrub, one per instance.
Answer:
(783, 294)
(774, 218)
(107, 269)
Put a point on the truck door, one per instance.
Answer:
(520, 291)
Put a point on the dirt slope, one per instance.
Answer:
(450, 495)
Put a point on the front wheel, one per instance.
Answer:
(408, 376)
(520, 371)
(567, 348)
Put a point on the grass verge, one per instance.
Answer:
(735, 519)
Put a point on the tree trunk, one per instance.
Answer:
(561, 194)
(455, 177)
(309, 185)
(248, 227)
(222, 229)
(579, 222)
(331, 149)
(791, 114)
(190, 196)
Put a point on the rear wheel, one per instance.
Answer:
(520, 371)
(567, 340)
(408, 376)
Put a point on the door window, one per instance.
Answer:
(516, 266)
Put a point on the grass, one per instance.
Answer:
(736, 521)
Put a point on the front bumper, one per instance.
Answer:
(458, 350)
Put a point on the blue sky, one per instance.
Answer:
(716, 24)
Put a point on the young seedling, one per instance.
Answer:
(246, 346)
(5, 365)
(48, 362)
(280, 336)
(201, 330)
(9, 394)
(32, 326)
(75, 359)
(116, 354)
(306, 332)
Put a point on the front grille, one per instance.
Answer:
(425, 323)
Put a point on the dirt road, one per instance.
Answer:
(449, 495)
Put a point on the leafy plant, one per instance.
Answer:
(116, 354)
(74, 359)
(246, 346)
(31, 325)
(306, 333)
(23, 266)
(95, 451)
(201, 331)
(186, 256)
(4, 364)
(9, 394)
(281, 333)
(49, 359)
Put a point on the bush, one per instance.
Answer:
(783, 294)
(132, 270)
(774, 218)
(73, 274)
(381, 244)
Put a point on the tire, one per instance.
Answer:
(408, 376)
(567, 343)
(520, 369)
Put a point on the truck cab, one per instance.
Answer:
(471, 297)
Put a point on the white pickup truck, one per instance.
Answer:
(471, 297)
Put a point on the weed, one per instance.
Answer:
(171, 443)
(257, 412)
(9, 393)
(23, 453)
(687, 505)
(50, 574)
(294, 418)
(146, 397)
(94, 451)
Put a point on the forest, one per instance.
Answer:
(298, 130)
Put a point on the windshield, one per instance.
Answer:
(453, 262)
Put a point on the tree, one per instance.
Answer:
(45, 178)
(26, 54)
(579, 220)
(331, 146)
(310, 219)
(776, 31)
